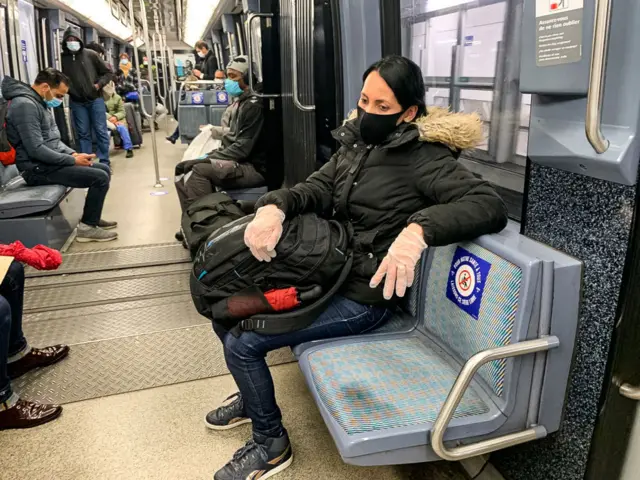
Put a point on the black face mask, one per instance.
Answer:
(374, 129)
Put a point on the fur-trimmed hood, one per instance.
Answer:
(458, 131)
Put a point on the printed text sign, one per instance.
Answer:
(467, 279)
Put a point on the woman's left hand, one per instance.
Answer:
(400, 263)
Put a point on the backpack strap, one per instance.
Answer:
(276, 324)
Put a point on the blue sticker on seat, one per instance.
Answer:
(197, 98)
(222, 97)
(467, 279)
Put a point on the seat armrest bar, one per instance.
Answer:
(459, 388)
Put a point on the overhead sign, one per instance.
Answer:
(558, 32)
(467, 279)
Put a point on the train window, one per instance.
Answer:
(5, 68)
(469, 55)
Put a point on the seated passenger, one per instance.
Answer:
(18, 358)
(240, 161)
(44, 160)
(116, 121)
(395, 179)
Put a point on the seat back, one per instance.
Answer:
(8, 173)
(476, 296)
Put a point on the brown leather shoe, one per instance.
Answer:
(25, 414)
(36, 358)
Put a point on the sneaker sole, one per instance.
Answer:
(109, 228)
(211, 426)
(276, 470)
(89, 240)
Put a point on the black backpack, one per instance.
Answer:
(205, 216)
(228, 284)
(7, 153)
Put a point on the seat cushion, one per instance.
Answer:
(30, 200)
(377, 385)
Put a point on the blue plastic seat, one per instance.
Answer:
(387, 397)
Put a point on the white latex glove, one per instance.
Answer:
(264, 232)
(400, 263)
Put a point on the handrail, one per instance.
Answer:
(294, 61)
(142, 107)
(593, 121)
(459, 388)
(249, 22)
(155, 62)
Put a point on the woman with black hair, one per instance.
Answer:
(396, 180)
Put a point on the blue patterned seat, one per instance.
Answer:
(372, 386)
(381, 393)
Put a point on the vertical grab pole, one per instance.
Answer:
(145, 34)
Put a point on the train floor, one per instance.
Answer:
(144, 367)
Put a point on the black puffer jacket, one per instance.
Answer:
(85, 69)
(244, 142)
(412, 177)
(208, 66)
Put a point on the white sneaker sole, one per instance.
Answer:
(89, 240)
(210, 426)
(109, 228)
(276, 470)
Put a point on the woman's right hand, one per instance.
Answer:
(264, 232)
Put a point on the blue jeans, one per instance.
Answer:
(91, 117)
(124, 135)
(245, 355)
(12, 339)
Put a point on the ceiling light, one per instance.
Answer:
(199, 13)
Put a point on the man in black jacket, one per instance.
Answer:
(240, 162)
(88, 74)
(44, 160)
(207, 62)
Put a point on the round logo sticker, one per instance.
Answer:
(465, 280)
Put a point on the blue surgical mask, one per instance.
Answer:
(53, 103)
(124, 61)
(232, 88)
(73, 46)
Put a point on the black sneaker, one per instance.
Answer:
(129, 154)
(179, 236)
(172, 140)
(260, 458)
(229, 415)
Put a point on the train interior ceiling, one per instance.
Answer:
(145, 367)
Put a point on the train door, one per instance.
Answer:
(27, 37)
(5, 49)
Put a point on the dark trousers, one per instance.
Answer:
(88, 118)
(96, 178)
(245, 355)
(197, 178)
(12, 339)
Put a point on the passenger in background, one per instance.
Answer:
(209, 63)
(219, 79)
(18, 358)
(396, 180)
(88, 74)
(116, 121)
(125, 63)
(240, 162)
(44, 160)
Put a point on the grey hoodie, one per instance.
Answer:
(32, 130)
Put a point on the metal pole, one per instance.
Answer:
(145, 33)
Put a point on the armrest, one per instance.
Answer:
(459, 388)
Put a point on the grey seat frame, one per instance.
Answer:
(535, 385)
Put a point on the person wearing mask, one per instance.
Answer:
(219, 78)
(240, 162)
(124, 64)
(88, 74)
(395, 178)
(116, 114)
(44, 160)
(17, 357)
(208, 62)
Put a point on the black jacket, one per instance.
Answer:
(85, 69)
(244, 142)
(208, 66)
(32, 130)
(412, 177)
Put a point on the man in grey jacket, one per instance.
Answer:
(44, 160)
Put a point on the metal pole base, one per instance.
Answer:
(158, 185)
